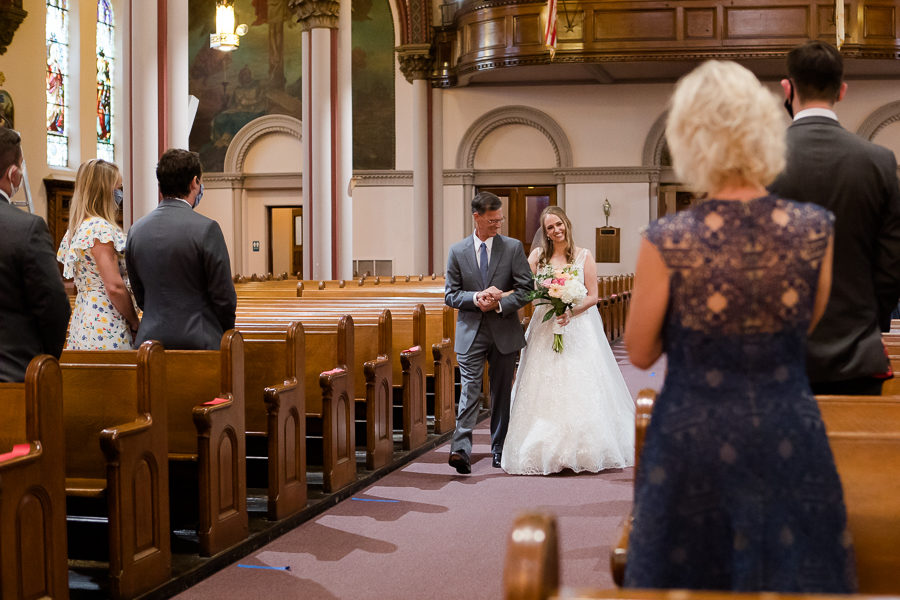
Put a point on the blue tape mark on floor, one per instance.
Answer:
(373, 500)
(265, 567)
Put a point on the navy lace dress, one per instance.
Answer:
(737, 487)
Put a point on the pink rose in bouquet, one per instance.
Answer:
(561, 289)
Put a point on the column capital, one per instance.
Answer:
(314, 14)
(415, 61)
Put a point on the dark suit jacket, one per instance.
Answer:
(34, 309)
(857, 181)
(181, 277)
(508, 270)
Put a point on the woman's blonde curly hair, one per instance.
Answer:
(725, 128)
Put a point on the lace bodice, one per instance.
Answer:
(743, 279)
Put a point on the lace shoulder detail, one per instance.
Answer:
(94, 228)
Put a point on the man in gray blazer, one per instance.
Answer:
(857, 181)
(480, 269)
(178, 263)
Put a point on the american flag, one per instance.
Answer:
(550, 31)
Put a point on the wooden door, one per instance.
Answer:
(522, 207)
(297, 237)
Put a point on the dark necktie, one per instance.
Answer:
(483, 266)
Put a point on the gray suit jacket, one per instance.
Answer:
(508, 270)
(34, 309)
(857, 181)
(181, 277)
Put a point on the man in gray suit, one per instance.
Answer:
(479, 269)
(178, 263)
(857, 181)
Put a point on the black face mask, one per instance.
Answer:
(789, 102)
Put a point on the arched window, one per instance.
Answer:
(57, 36)
(105, 63)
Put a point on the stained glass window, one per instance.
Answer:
(57, 80)
(105, 63)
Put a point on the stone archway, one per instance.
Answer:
(513, 115)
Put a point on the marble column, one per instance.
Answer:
(325, 187)
(416, 66)
(141, 118)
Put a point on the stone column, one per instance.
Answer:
(439, 261)
(322, 194)
(178, 128)
(141, 119)
(415, 64)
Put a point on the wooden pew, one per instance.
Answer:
(204, 394)
(274, 372)
(439, 328)
(115, 422)
(329, 399)
(32, 485)
(397, 343)
(371, 374)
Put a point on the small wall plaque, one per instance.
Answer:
(607, 246)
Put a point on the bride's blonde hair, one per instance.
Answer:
(547, 244)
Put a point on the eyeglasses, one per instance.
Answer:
(496, 221)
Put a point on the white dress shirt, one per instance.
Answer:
(816, 112)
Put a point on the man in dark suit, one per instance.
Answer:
(34, 309)
(479, 268)
(178, 263)
(857, 181)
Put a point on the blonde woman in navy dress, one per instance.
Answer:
(737, 487)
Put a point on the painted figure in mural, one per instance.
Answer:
(7, 110)
(103, 98)
(246, 102)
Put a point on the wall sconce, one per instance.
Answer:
(226, 38)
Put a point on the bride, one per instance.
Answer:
(570, 409)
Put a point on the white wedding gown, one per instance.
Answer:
(570, 409)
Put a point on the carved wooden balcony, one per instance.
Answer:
(650, 40)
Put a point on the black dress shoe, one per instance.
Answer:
(460, 462)
(496, 462)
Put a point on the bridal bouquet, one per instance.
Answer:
(562, 290)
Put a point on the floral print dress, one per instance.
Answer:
(95, 323)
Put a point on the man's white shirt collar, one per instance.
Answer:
(179, 199)
(5, 197)
(816, 112)
(489, 242)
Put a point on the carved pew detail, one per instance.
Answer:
(276, 408)
(415, 422)
(32, 485)
(336, 413)
(122, 407)
(204, 394)
(378, 398)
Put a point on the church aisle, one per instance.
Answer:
(425, 532)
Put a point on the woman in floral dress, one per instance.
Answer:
(104, 317)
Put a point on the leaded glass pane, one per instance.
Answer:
(57, 34)
(105, 66)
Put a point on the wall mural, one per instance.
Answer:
(373, 85)
(262, 77)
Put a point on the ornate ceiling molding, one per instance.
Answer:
(513, 115)
(252, 131)
(878, 120)
(315, 14)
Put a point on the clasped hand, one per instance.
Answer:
(489, 299)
